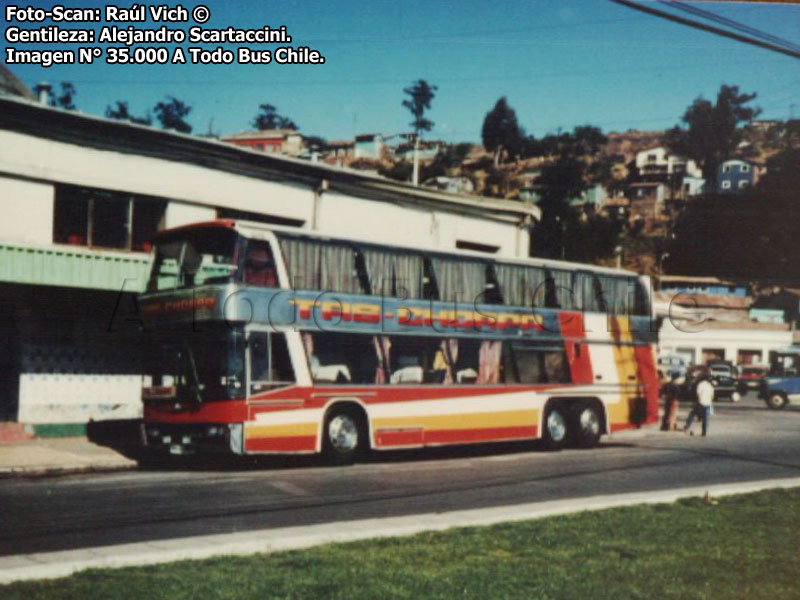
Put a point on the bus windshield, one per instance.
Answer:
(192, 257)
(200, 366)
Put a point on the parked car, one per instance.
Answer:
(673, 364)
(751, 377)
(782, 383)
(724, 378)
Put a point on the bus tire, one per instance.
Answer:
(777, 400)
(555, 426)
(587, 425)
(344, 435)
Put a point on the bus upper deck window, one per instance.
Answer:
(259, 267)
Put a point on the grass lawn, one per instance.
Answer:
(741, 547)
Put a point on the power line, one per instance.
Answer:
(709, 28)
(731, 23)
(465, 34)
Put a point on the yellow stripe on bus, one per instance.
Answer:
(625, 359)
(509, 418)
(292, 429)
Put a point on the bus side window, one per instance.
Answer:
(270, 364)
(259, 266)
(414, 360)
(259, 359)
(281, 368)
(340, 357)
(467, 361)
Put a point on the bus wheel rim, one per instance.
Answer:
(556, 426)
(343, 433)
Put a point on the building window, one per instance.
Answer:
(726, 168)
(243, 215)
(726, 185)
(105, 219)
(477, 247)
(745, 168)
(743, 184)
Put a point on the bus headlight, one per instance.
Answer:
(236, 437)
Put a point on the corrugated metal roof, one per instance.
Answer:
(129, 138)
(72, 266)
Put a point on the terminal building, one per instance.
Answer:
(81, 198)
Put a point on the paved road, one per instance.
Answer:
(747, 442)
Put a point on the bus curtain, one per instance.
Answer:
(446, 359)
(383, 346)
(489, 362)
(459, 280)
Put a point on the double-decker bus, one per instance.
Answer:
(275, 340)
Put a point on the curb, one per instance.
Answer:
(55, 471)
(50, 565)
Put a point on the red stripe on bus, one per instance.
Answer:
(622, 426)
(295, 443)
(456, 436)
(580, 363)
(399, 437)
(224, 411)
(648, 375)
(317, 397)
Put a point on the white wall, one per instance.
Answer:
(180, 213)
(73, 398)
(672, 337)
(195, 192)
(27, 212)
(392, 224)
(67, 163)
(375, 221)
(507, 237)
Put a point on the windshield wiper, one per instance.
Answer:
(195, 386)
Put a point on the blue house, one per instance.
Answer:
(736, 175)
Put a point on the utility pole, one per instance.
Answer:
(415, 176)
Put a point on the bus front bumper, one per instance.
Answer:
(191, 438)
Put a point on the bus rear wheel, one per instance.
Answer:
(586, 425)
(345, 436)
(556, 427)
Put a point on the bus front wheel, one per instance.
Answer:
(556, 427)
(345, 436)
(586, 425)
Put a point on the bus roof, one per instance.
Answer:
(253, 229)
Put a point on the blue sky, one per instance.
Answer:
(560, 63)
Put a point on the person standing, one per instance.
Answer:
(672, 399)
(670, 391)
(702, 408)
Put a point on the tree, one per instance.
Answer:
(399, 171)
(568, 231)
(121, 113)
(420, 96)
(713, 131)
(268, 118)
(65, 100)
(584, 140)
(587, 139)
(501, 132)
(171, 114)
